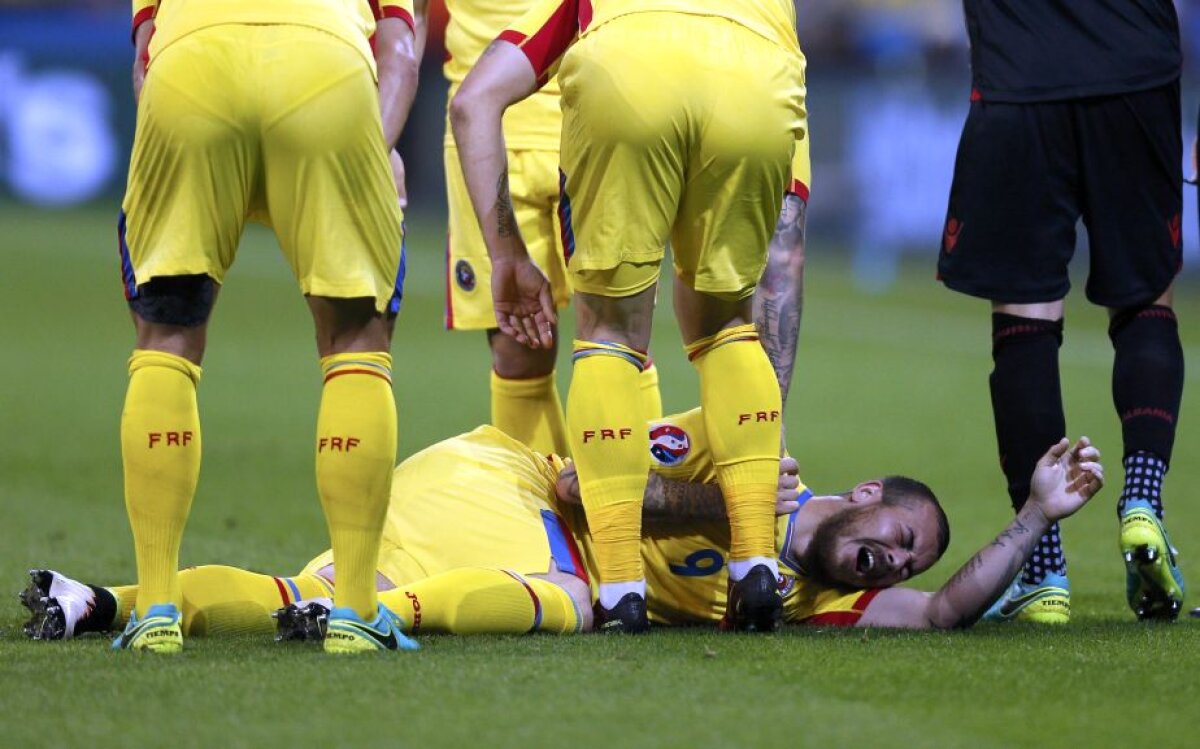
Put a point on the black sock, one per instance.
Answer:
(1026, 396)
(104, 611)
(1027, 406)
(1147, 382)
(1144, 474)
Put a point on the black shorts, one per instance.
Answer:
(1026, 173)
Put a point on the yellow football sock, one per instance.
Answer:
(742, 412)
(651, 397)
(160, 451)
(220, 600)
(611, 449)
(126, 596)
(356, 453)
(530, 412)
(477, 600)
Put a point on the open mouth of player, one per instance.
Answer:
(866, 562)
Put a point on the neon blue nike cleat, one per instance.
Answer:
(158, 632)
(346, 632)
(1046, 603)
(1153, 583)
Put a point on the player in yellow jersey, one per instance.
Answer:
(524, 393)
(485, 535)
(680, 119)
(284, 111)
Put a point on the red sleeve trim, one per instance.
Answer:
(845, 618)
(585, 14)
(143, 15)
(865, 599)
(548, 43)
(392, 11)
(512, 37)
(799, 189)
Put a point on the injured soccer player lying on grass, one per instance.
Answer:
(484, 535)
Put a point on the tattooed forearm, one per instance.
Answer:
(506, 222)
(668, 500)
(968, 594)
(779, 301)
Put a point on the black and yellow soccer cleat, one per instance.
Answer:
(1153, 583)
(303, 621)
(755, 603)
(628, 616)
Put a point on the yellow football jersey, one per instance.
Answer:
(686, 574)
(352, 21)
(532, 124)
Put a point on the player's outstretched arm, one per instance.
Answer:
(398, 63)
(520, 292)
(1064, 480)
(779, 300)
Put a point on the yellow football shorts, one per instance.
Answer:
(275, 122)
(675, 127)
(533, 183)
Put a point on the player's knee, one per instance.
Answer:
(353, 324)
(183, 301)
(514, 361)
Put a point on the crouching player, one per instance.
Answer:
(484, 535)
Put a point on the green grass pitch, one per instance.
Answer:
(888, 383)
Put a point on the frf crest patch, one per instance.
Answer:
(669, 444)
(787, 584)
(464, 275)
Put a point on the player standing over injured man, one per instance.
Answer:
(524, 391)
(680, 118)
(284, 110)
(1075, 113)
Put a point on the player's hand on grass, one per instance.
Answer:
(787, 493)
(523, 302)
(1066, 478)
(141, 56)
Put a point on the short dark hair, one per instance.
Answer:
(906, 492)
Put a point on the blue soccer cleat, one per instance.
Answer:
(1046, 603)
(157, 632)
(1153, 583)
(346, 632)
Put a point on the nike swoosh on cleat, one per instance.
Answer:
(388, 643)
(139, 631)
(1013, 606)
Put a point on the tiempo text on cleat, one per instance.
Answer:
(347, 632)
(157, 632)
(1046, 603)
